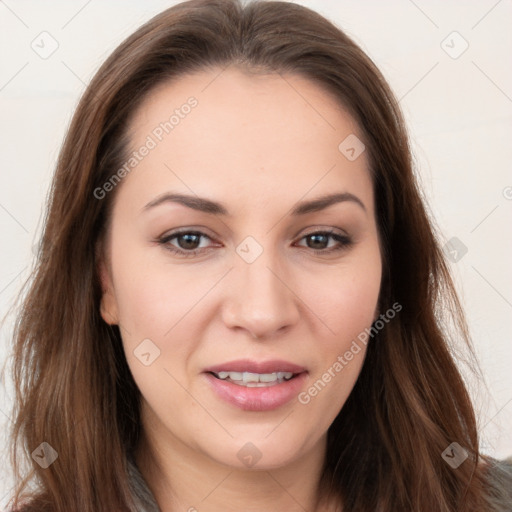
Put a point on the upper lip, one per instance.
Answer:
(247, 365)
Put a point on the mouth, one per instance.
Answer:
(256, 386)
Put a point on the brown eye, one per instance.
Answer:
(320, 240)
(188, 241)
(184, 243)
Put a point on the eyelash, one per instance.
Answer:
(344, 242)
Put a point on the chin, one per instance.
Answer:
(260, 452)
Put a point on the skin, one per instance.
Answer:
(257, 144)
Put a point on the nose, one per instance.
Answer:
(260, 299)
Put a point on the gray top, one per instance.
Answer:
(499, 500)
(143, 497)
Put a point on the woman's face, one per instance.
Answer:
(228, 272)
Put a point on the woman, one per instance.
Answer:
(239, 297)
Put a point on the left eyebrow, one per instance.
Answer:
(323, 202)
(214, 208)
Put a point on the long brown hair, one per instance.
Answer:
(74, 390)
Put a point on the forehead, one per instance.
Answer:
(251, 135)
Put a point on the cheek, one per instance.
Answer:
(155, 304)
(167, 304)
(347, 311)
(345, 297)
(152, 297)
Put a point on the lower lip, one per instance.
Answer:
(257, 399)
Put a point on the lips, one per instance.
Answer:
(256, 385)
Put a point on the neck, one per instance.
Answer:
(184, 479)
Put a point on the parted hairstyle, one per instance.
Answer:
(74, 389)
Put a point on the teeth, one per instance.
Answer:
(250, 377)
(269, 377)
(254, 379)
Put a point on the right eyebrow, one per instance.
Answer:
(196, 203)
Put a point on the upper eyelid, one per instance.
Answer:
(172, 234)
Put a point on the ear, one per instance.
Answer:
(108, 303)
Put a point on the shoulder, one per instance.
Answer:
(142, 495)
(498, 474)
